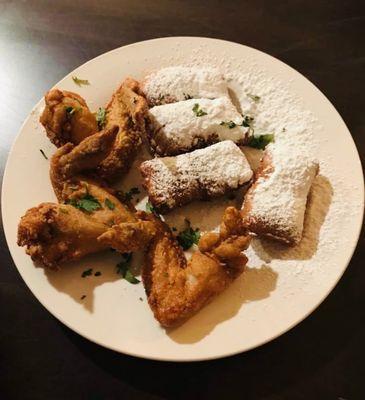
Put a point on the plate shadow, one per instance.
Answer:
(253, 285)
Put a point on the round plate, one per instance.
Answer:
(280, 287)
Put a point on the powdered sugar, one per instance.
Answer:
(210, 172)
(305, 267)
(179, 83)
(278, 201)
(179, 127)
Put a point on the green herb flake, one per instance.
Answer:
(187, 96)
(109, 204)
(254, 97)
(123, 269)
(133, 191)
(80, 82)
(101, 118)
(150, 208)
(260, 142)
(188, 236)
(97, 273)
(43, 154)
(87, 272)
(86, 203)
(140, 299)
(229, 124)
(198, 111)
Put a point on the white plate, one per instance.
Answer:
(280, 288)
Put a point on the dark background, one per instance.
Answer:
(323, 357)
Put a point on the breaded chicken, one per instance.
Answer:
(110, 152)
(177, 288)
(130, 236)
(70, 163)
(127, 110)
(56, 233)
(67, 118)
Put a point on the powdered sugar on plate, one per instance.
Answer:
(276, 109)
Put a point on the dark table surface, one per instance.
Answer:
(324, 356)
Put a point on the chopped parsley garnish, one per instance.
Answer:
(109, 204)
(198, 111)
(129, 195)
(80, 82)
(97, 273)
(86, 203)
(188, 236)
(101, 118)
(140, 299)
(123, 269)
(83, 296)
(247, 121)
(150, 208)
(43, 154)
(229, 124)
(254, 97)
(87, 272)
(260, 142)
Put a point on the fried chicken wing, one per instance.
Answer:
(108, 153)
(177, 288)
(70, 162)
(127, 110)
(67, 118)
(57, 233)
(130, 236)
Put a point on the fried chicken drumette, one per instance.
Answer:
(67, 118)
(177, 288)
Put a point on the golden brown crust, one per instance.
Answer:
(177, 288)
(62, 126)
(127, 110)
(57, 233)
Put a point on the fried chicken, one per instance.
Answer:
(177, 288)
(70, 163)
(57, 233)
(67, 118)
(108, 153)
(130, 236)
(127, 110)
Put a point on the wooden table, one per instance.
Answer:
(323, 357)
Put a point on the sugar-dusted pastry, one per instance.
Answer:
(172, 84)
(201, 174)
(275, 204)
(187, 125)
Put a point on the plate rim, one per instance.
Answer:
(221, 354)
